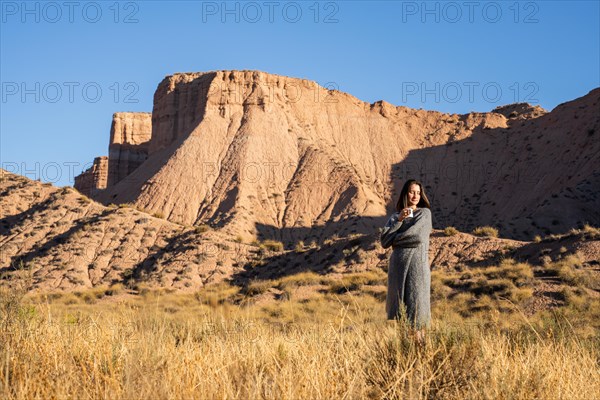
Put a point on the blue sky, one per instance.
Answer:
(66, 67)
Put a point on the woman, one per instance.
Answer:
(409, 277)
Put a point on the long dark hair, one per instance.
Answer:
(403, 199)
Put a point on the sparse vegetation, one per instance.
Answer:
(312, 334)
(590, 232)
(299, 246)
(587, 233)
(201, 228)
(483, 289)
(83, 200)
(569, 270)
(487, 231)
(450, 231)
(272, 245)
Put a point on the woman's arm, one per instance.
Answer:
(390, 229)
(418, 231)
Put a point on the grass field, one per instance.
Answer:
(302, 336)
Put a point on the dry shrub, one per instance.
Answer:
(257, 287)
(216, 294)
(591, 232)
(482, 289)
(272, 245)
(485, 231)
(201, 228)
(450, 231)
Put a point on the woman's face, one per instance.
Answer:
(414, 195)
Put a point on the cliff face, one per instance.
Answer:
(287, 150)
(94, 179)
(130, 134)
(261, 155)
(179, 106)
(128, 148)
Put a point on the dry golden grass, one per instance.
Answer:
(475, 290)
(569, 270)
(173, 348)
(105, 343)
(588, 232)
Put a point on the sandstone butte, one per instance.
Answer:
(230, 157)
(261, 155)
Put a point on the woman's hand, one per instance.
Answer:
(404, 213)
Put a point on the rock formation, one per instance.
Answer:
(94, 179)
(520, 111)
(55, 238)
(128, 147)
(268, 156)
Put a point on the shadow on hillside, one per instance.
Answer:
(463, 189)
(42, 248)
(7, 224)
(348, 244)
(323, 256)
(177, 245)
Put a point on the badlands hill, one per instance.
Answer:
(228, 161)
(266, 156)
(58, 239)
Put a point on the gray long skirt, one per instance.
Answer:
(409, 282)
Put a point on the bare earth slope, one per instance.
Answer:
(55, 238)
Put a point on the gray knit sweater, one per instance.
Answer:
(409, 277)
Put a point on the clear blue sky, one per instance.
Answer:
(449, 56)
